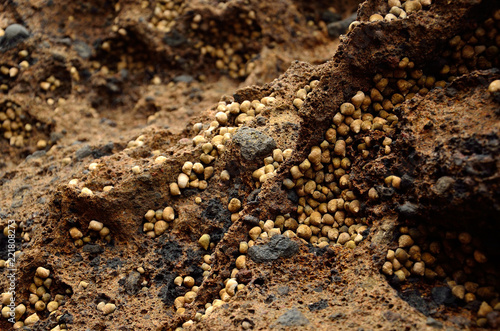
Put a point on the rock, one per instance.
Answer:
(132, 284)
(283, 290)
(174, 39)
(92, 249)
(494, 319)
(183, 79)
(320, 305)
(17, 203)
(330, 17)
(253, 143)
(434, 323)
(408, 210)
(82, 49)
(442, 295)
(278, 246)
(83, 152)
(442, 185)
(392, 316)
(251, 220)
(292, 317)
(415, 299)
(336, 316)
(36, 155)
(484, 309)
(335, 29)
(14, 34)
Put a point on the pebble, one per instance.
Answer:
(204, 241)
(304, 231)
(108, 308)
(160, 159)
(458, 291)
(484, 309)
(183, 180)
(401, 255)
(418, 268)
(188, 281)
(375, 17)
(168, 214)
(86, 192)
(405, 241)
(241, 262)
(387, 268)
(293, 317)
(13, 34)
(234, 205)
(32, 319)
(255, 232)
(95, 226)
(494, 86)
(253, 143)
(174, 189)
(480, 257)
(344, 237)
(412, 6)
(224, 175)
(160, 227)
(42, 272)
(246, 325)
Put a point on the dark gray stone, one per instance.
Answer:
(174, 39)
(14, 34)
(251, 220)
(278, 246)
(83, 152)
(434, 323)
(92, 249)
(330, 17)
(442, 295)
(292, 317)
(408, 209)
(335, 29)
(320, 305)
(415, 299)
(132, 284)
(17, 203)
(82, 49)
(55, 137)
(443, 184)
(253, 143)
(494, 319)
(283, 290)
(36, 155)
(183, 79)
(336, 316)
(391, 316)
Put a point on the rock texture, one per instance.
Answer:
(137, 90)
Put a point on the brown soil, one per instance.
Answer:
(156, 85)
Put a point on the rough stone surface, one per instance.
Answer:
(14, 33)
(132, 284)
(335, 29)
(253, 143)
(278, 246)
(292, 317)
(144, 95)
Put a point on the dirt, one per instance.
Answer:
(133, 83)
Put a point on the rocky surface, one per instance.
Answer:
(243, 172)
